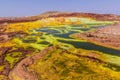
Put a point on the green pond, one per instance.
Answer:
(62, 34)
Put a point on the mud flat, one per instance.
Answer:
(108, 36)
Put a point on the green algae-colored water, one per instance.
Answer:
(90, 46)
(63, 35)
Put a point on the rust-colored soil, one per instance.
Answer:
(108, 36)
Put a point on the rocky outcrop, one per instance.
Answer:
(108, 36)
(21, 71)
(5, 36)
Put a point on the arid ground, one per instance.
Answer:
(60, 46)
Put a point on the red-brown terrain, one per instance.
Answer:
(107, 36)
(101, 17)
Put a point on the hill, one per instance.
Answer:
(101, 17)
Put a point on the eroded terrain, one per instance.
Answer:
(108, 36)
(58, 47)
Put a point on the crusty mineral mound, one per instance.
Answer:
(21, 71)
(108, 36)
